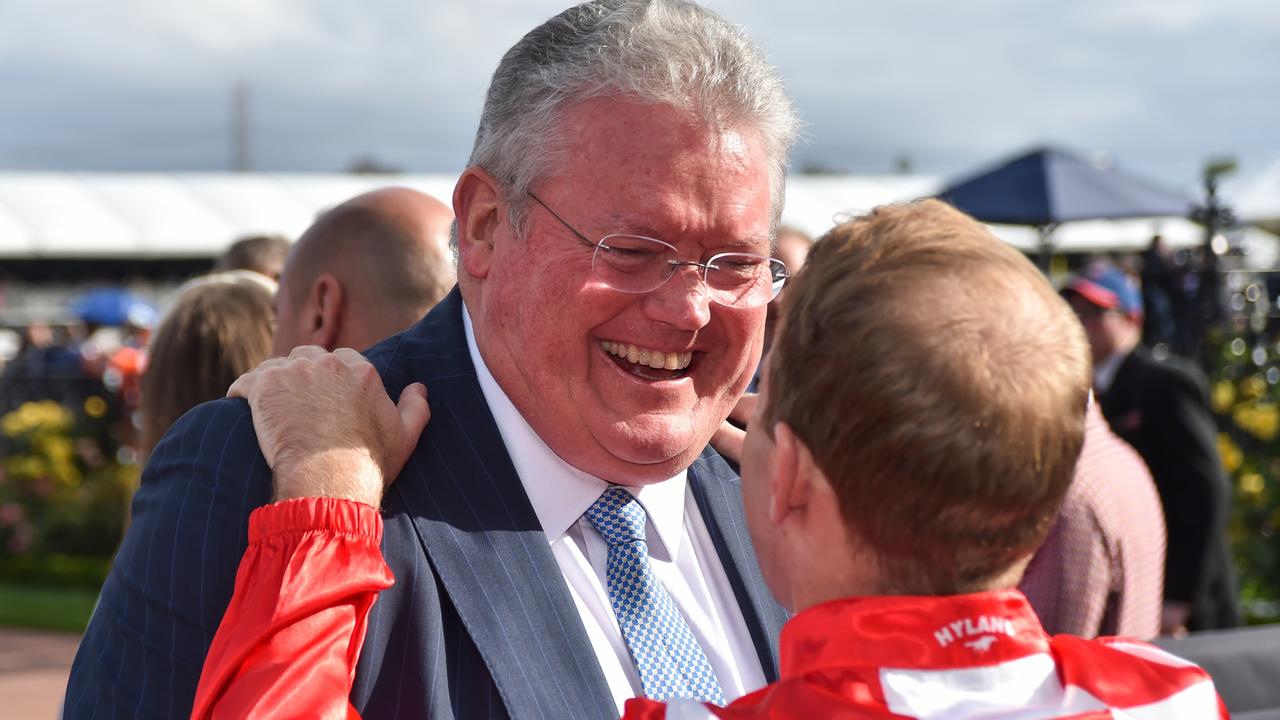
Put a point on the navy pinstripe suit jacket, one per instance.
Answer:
(479, 624)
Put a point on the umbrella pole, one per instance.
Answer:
(1045, 252)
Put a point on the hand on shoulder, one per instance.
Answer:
(326, 425)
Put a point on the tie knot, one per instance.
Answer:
(617, 517)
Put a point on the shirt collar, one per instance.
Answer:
(559, 492)
(923, 632)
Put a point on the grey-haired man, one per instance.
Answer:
(613, 232)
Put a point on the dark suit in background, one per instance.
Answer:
(1161, 408)
(479, 624)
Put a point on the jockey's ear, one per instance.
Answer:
(792, 475)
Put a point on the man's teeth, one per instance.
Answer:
(655, 359)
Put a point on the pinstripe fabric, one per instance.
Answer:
(173, 575)
(479, 624)
(719, 497)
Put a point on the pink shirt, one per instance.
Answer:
(1100, 571)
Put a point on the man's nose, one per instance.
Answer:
(683, 301)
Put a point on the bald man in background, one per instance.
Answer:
(365, 270)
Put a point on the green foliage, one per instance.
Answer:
(83, 572)
(1245, 375)
(61, 491)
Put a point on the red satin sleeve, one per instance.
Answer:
(644, 709)
(288, 644)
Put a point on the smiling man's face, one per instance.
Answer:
(559, 341)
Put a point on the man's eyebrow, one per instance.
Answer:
(752, 241)
(631, 225)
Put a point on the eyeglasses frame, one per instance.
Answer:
(675, 263)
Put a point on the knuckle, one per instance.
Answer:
(265, 375)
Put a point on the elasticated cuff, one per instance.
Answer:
(316, 514)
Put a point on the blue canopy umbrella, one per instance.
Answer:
(113, 306)
(1047, 186)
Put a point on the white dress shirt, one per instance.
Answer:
(680, 552)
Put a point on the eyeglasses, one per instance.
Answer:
(639, 264)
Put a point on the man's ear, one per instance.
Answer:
(478, 207)
(325, 312)
(792, 477)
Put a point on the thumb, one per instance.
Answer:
(728, 441)
(745, 408)
(414, 414)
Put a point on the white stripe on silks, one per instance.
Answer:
(1194, 703)
(1024, 689)
(1029, 689)
(1149, 653)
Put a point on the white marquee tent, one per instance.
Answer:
(155, 215)
(144, 215)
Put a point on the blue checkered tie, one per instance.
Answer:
(670, 661)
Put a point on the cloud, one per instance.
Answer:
(1180, 16)
(146, 83)
(955, 84)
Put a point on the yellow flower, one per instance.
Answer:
(41, 416)
(1254, 386)
(1252, 485)
(27, 467)
(1260, 419)
(1230, 453)
(1223, 396)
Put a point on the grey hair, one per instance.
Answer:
(672, 52)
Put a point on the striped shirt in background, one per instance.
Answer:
(1100, 571)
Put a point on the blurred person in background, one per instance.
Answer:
(63, 361)
(1100, 570)
(219, 327)
(792, 248)
(1161, 408)
(364, 271)
(1163, 301)
(43, 352)
(263, 254)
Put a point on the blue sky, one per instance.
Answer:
(145, 84)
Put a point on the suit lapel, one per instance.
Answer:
(718, 493)
(478, 529)
(483, 538)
